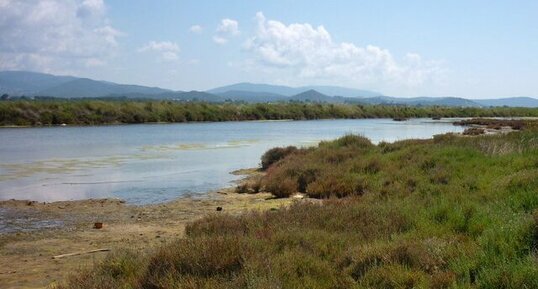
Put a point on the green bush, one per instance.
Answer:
(275, 154)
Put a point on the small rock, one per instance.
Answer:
(219, 209)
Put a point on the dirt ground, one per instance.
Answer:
(38, 231)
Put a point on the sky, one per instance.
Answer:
(472, 49)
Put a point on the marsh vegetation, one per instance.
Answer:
(450, 212)
(95, 112)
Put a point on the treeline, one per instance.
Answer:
(95, 112)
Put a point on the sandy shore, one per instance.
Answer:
(44, 230)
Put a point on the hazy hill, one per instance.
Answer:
(422, 101)
(18, 83)
(251, 96)
(341, 91)
(200, 96)
(290, 91)
(28, 83)
(253, 87)
(84, 87)
(311, 96)
(511, 101)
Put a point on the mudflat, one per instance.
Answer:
(33, 233)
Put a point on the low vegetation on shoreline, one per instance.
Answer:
(478, 126)
(450, 212)
(95, 112)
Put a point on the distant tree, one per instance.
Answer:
(4, 96)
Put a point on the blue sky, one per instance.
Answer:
(474, 49)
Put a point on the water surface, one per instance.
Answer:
(150, 163)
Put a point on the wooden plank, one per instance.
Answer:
(80, 253)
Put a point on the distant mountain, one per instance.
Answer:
(311, 96)
(253, 87)
(17, 83)
(449, 101)
(84, 87)
(173, 95)
(341, 91)
(511, 101)
(290, 91)
(252, 96)
(200, 96)
(420, 101)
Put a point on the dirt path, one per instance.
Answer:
(45, 230)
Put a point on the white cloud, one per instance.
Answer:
(309, 53)
(167, 50)
(109, 34)
(90, 8)
(220, 40)
(228, 26)
(226, 29)
(197, 29)
(55, 35)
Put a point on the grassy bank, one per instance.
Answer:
(94, 112)
(451, 212)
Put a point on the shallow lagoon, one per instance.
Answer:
(151, 163)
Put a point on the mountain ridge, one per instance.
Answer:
(291, 91)
(34, 84)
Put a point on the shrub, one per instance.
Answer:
(275, 154)
(249, 187)
(282, 187)
(115, 271)
(349, 140)
(474, 131)
(199, 257)
(335, 185)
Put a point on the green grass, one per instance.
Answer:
(451, 212)
(94, 112)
